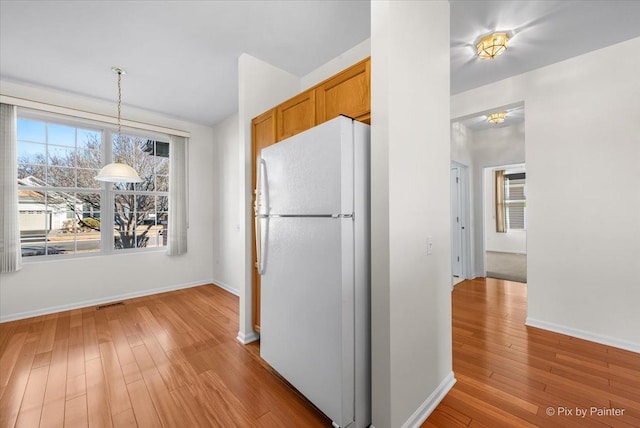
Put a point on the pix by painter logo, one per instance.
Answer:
(582, 412)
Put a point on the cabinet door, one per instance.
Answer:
(296, 115)
(263, 134)
(347, 93)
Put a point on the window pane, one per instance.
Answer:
(148, 157)
(33, 175)
(89, 158)
(89, 139)
(126, 220)
(62, 156)
(87, 180)
(61, 236)
(34, 221)
(87, 220)
(30, 130)
(61, 135)
(137, 221)
(34, 153)
(515, 215)
(51, 223)
(61, 176)
(162, 183)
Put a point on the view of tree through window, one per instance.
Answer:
(141, 209)
(62, 207)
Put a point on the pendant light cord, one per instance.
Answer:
(119, 103)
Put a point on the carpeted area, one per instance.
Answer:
(509, 266)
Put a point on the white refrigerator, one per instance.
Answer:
(312, 240)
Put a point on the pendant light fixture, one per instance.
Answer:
(492, 45)
(497, 117)
(118, 172)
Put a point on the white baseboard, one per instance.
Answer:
(582, 334)
(430, 404)
(94, 302)
(226, 287)
(524, 253)
(248, 337)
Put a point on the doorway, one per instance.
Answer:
(505, 222)
(460, 247)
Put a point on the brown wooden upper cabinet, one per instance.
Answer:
(346, 93)
(296, 115)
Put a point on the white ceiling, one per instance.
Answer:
(181, 56)
(513, 115)
(545, 32)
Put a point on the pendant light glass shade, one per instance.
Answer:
(118, 173)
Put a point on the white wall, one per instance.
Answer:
(228, 248)
(261, 86)
(411, 299)
(511, 241)
(51, 286)
(583, 242)
(345, 60)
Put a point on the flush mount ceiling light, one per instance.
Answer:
(118, 172)
(496, 118)
(492, 45)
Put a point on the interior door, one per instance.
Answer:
(456, 225)
(307, 329)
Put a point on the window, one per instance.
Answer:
(63, 209)
(515, 201)
(140, 210)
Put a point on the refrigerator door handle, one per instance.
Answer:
(260, 243)
(263, 191)
(261, 202)
(258, 246)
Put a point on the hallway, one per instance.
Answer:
(512, 375)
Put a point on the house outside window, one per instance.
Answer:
(63, 210)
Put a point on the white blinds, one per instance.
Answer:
(10, 252)
(178, 196)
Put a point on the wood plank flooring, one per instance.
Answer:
(171, 360)
(510, 375)
(168, 360)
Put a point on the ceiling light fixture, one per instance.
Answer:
(497, 117)
(492, 45)
(118, 172)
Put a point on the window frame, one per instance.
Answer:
(107, 191)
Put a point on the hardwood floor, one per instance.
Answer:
(168, 360)
(510, 375)
(171, 360)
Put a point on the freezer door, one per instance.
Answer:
(307, 312)
(311, 173)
